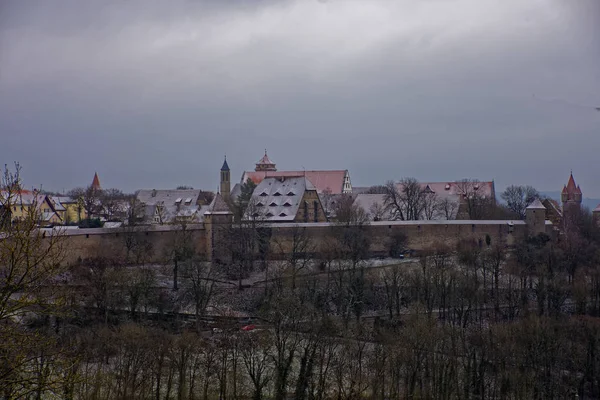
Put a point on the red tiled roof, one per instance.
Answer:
(322, 180)
(265, 160)
(96, 181)
(571, 186)
(445, 189)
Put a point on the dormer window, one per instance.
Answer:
(287, 204)
(269, 215)
(476, 186)
(277, 193)
(188, 201)
(283, 214)
(273, 204)
(447, 187)
(178, 200)
(255, 215)
(260, 204)
(290, 193)
(263, 194)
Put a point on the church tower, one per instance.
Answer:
(225, 186)
(264, 164)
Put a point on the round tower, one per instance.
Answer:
(571, 195)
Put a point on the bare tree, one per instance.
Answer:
(198, 285)
(90, 198)
(256, 351)
(111, 203)
(299, 249)
(431, 206)
(406, 200)
(517, 198)
(377, 211)
(135, 210)
(448, 208)
(180, 250)
(474, 201)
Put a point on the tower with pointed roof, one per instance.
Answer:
(535, 217)
(225, 185)
(265, 164)
(96, 182)
(571, 195)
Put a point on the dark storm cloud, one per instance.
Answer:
(152, 94)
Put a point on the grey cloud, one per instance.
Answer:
(153, 95)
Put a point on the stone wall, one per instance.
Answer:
(153, 243)
(420, 234)
(150, 244)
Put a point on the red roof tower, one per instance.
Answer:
(96, 182)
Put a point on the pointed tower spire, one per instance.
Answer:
(96, 182)
(225, 184)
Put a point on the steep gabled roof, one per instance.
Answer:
(280, 197)
(96, 181)
(536, 205)
(225, 166)
(571, 186)
(218, 205)
(597, 209)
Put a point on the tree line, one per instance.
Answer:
(475, 320)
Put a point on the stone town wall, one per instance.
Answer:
(420, 234)
(145, 244)
(155, 242)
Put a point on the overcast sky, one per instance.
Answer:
(152, 94)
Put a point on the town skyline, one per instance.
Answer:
(238, 174)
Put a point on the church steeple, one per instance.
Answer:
(265, 164)
(225, 185)
(96, 182)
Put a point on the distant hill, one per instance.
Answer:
(587, 202)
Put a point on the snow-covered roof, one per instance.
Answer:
(536, 205)
(278, 199)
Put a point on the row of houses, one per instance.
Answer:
(297, 196)
(284, 196)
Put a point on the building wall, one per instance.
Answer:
(309, 198)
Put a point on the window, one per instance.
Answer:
(316, 211)
(290, 193)
(283, 214)
(188, 201)
(263, 194)
(287, 204)
(273, 204)
(178, 201)
(305, 211)
(277, 193)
